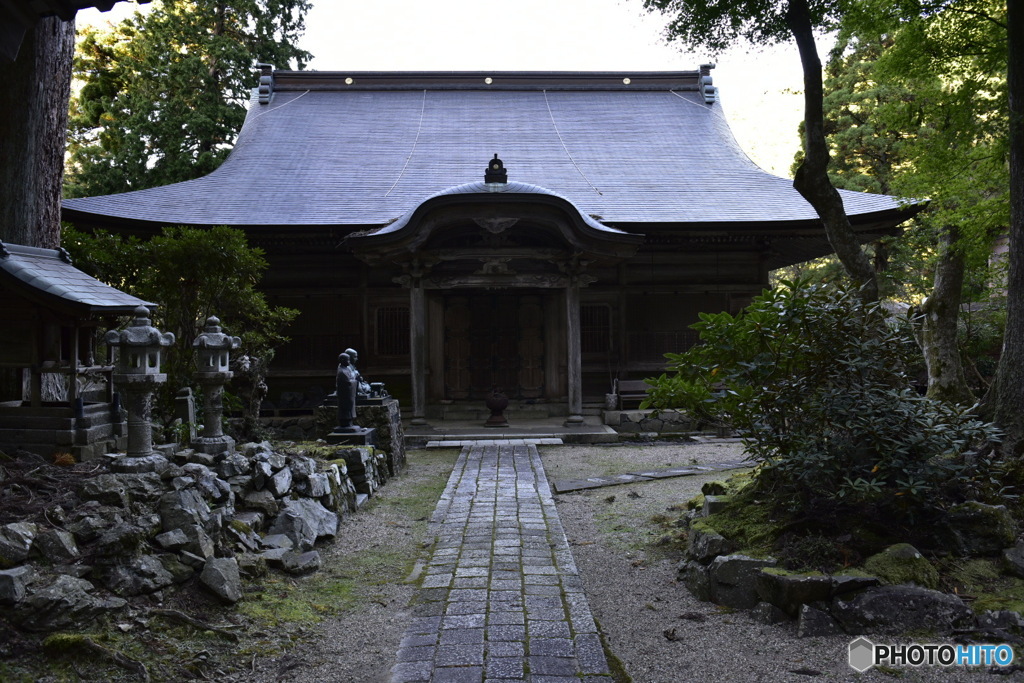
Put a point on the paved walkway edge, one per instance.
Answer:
(501, 599)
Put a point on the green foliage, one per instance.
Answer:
(192, 273)
(162, 95)
(716, 25)
(815, 380)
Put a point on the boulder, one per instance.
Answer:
(120, 540)
(175, 539)
(902, 563)
(1014, 559)
(301, 563)
(733, 579)
(694, 577)
(16, 542)
(65, 603)
(261, 474)
(767, 613)
(138, 576)
(314, 486)
(978, 529)
(713, 504)
(91, 519)
(14, 583)
(305, 521)
(814, 623)
(220, 575)
(302, 467)
(281, 483)
(892, 610)
(261, 501)
(122, 489)
(1005, 620)
(233, 465)
(789, 591)
(255, 520)
(56, 546)
(183, 508)
(705, 544)
(844, 584)
(198, 542)
(242, 535)
(179, 571)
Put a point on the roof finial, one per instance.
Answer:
(496, 172)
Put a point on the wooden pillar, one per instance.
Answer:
(574, 364)
(417, 349)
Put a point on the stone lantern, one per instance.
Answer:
(213, 349)
(137, 375)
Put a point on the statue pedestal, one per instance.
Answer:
(357, 437)
(213, 445)
(136, 464)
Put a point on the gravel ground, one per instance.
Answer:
(630, 582)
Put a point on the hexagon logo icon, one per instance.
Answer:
(862, 654)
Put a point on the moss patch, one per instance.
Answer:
(984, 580)
(902, 563)
(747, 523)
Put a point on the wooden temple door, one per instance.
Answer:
(494, 340)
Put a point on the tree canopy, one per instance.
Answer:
(162, 95)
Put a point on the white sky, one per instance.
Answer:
(759, 91)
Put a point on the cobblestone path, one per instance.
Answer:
(501, 600)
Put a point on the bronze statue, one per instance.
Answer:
(362, 386)
(346, 384)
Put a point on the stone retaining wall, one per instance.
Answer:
(201, 519)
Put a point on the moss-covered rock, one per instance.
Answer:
(974, 528)
(902, 563)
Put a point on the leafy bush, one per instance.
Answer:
(815, 380)
(192, 273)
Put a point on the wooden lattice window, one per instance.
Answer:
(392, 331)
(595, 328)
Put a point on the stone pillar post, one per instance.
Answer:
(213, 349)
(574, 364)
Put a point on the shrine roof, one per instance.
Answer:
(364, 149)
(47, 276)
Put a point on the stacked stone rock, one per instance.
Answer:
(825, 604)
(210, 518)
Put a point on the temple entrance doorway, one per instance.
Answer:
(494, 339)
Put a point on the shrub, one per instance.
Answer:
(815, 380)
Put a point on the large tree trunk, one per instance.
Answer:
(939, 315)
(811, 179)
(33, 129)
(1009, 385)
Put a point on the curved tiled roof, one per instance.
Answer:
(488, 188)
(47, 275)
(321, 153)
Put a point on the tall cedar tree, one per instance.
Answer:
(33, 120)
(909, 114)
(715, 26)
(163, 94)
(996, 33)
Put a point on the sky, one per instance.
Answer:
(758, 90)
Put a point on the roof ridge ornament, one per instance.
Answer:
(266, 89)
(707, 90)
(496, 172)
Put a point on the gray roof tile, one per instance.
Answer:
(337, 156)
(42, 274)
